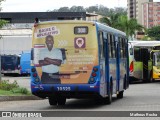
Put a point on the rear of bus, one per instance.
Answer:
(79, 72)
(10, 64)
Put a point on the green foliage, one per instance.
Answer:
(122, 23)
(128, 26)
(112, 21)
(2, 23)
(154, 32)
(5, 85)
(147, 38)
(13, 87)
(99, 9)
(20, 90)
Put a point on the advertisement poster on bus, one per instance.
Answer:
(63, 57)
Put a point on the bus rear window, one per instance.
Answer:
(81, 30)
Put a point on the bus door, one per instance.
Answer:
(145, 58)
(103, 63)
(117, 63)
(113, 69)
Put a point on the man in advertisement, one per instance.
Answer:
(50, 60)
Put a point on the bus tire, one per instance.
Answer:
(52, 101)
(120, 95)
(108, 100)
(61, 101)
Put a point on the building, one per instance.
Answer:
(17, 35)
(151, 14)
(135, 9)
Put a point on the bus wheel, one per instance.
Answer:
(61, 101)
(108, 100)
(120, 95)
(52, 101)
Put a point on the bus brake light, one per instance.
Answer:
(95, 69)
(35, 75)
(131, 67)
(94, 74)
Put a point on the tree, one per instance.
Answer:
(64, 9)
(154, 32)
(112, 21)
(77, 9)
(102, 10)
(120, 10)
(128, 26)
(92, 9)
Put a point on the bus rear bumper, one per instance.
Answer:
(10, 71)
(68, 91)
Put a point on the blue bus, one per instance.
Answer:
(78, 59)
(25, 64)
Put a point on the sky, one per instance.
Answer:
(44, 5)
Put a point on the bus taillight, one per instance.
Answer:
(95, 69)
(94, 74)
(131, 67)
(33, 70)
(35, 75)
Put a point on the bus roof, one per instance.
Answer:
(105, 27)
(147, 44)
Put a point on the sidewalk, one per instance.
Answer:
(18, 98)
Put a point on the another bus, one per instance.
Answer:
(131, 58)
(25, 64)
(10, 64)
(143, 61)
(93, 61)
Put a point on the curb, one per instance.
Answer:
(16, 98)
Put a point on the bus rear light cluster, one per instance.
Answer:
(131, 67)
(33, 70)
(36, 80)
(34, 74)
(93, 75)
(92, 80)
(95, 69)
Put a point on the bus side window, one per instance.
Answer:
(137, 54)
(109, 45)
(131, 51)
(122, 47)
(112, 47)
(101, 45)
